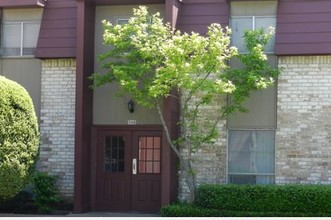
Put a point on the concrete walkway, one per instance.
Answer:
(88, 214)
(113, 214)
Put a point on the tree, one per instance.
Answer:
(152, 62)
(19, 138)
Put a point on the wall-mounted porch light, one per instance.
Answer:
(131, 106)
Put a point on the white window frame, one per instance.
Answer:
(21, 23)
(256, 174)
(253, 17)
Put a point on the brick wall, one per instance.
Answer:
(303, 140)
(210, 160)
(57, 121)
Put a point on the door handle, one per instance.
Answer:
(134, 166)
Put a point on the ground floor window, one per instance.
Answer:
(251, 156)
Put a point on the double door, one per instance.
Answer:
(128, 171)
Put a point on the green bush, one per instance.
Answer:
(256, 201)
(190, 210)
(46, 192)
(185, 210)
(266, 198)
(21, 203)
(19, 138)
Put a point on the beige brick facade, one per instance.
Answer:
(303, 135)
(57, 121)
(303, 140)
(210, 161)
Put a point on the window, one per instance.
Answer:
(251, 156)
(251, 135)
(252, 15)
(122, 21)
(114, 149)
(20, 31)
(19, 38)
(239, 24)
(251, 139)
(149, 155)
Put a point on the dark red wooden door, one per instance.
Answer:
(146, 178)
(128, 176)
(113, 185)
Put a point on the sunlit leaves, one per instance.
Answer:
(150, 62)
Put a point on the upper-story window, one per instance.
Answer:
(122, 21)
(252, 15)
(20, 31)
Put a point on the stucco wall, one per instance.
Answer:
(303, 140)
(27, 72)
(57, 121)
(108, 108)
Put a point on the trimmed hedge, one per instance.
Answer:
(256, 201)
(190, 210)
(19, 138)
(266, 198)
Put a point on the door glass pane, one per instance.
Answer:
(114, 154)
(156, 155)
(156, 167)
(149, 155)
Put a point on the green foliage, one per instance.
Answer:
(256, 73)
(19, 138)
(255, 201)
(150, 62)
(46, 192)
(21, 203)
(190, 210)
(266, 198)
(186, 210)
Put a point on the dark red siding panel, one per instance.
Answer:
(127, 2)
(303, 27)
(196, 15)
(58, 42)
(172, 10)
(57, 38)
(21, 3)
(305, 49)
(56, 52)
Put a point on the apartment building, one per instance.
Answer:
(51, 48)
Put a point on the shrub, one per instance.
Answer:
(46, 192)
(191, 210)
(186, 209)
(256, 201)
(19, 138)
(266, 198)
(21, 203)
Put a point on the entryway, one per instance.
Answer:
(128, 170)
